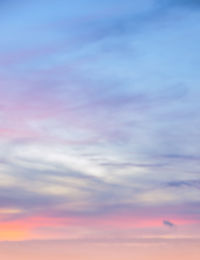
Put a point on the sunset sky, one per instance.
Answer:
(100, 130)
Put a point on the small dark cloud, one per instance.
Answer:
(185, 183)
(168, 223)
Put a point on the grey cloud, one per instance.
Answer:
(168, 223)
(26, 201)
(185, 183)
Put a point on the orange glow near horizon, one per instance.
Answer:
(27, 228)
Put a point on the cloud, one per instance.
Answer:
(168, 223)
(185, 183)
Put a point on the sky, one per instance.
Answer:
(99, 129)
